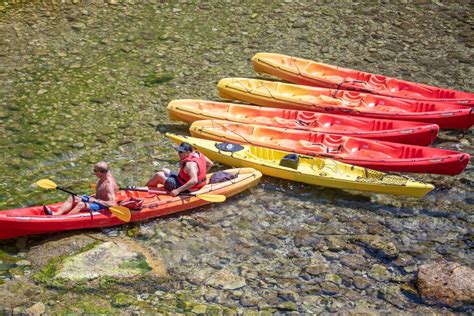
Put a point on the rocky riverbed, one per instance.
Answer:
(83, 81)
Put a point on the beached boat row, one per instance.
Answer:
(331, 127)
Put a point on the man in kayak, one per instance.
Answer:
(106, 188)
(192, 173)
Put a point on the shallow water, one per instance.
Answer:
(82, 83)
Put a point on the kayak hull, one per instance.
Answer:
(342, 102)
(416, 133)
(32, 220)
(378, 155)
(307, 72)
(310, 170)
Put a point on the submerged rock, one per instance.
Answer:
(109, 259)
(379, 273)
(226, 280)
(447, 283)
(37, 309)
(380, 246)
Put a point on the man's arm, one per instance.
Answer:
(192, 170)
(209, 164)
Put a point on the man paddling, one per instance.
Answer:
(106, 188)
(192, 173)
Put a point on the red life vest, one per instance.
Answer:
(200, 160)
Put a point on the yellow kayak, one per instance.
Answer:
(311, 170)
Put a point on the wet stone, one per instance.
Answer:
(122, 300)
(393, 295)
(289, 295)
(447, 283)
(303, 239)
(199, 309)
(381, 247)
(335, 243)
(331, 255)
(37, 309)
(329, 288)
(248, 300)
(379, 273)
(410, 268)
(403, 260)
(226, 280)
(333, 278)
(23, 263)
(287, 306)
(361, 282)
(83, 266)
(354, 261)
(27, 154)
(316, 268)
(270, 296)
(78, 26)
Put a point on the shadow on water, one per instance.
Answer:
(319, 195)
(173, 128)
(386, 205)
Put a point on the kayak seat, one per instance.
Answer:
(229, 147)
(290, 161)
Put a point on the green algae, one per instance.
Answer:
(214, 311)
(139, 264)
(95, 306)
(133, 231)
(122, 300)
(156, 79)
(7, 258)
(47, 273)
(106, 283)
(89, 246)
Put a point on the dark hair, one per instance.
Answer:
(185, 147)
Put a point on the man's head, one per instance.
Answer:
(101, 168)
(184, 149)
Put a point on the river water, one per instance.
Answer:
(89, 81)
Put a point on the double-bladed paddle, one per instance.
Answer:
(204, 196)
(121, 212)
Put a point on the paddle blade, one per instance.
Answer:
(121, 212)
(212, 197)
(46, 184)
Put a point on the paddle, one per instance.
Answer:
(121, 212)
(205, 197)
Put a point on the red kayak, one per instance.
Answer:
(298, 97)
(143, 205)
(307, 72)
(416, 133)
(373, 154)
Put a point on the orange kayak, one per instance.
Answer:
(32, 220)
(297, 97)
(373, 154)
(307, 72)
(388, 130)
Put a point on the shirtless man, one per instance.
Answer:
(106, 188)
(192, 173)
